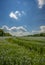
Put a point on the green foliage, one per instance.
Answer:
(41, 34)
(2, 33)
(22, 51)
(37, 35)
(7, 34)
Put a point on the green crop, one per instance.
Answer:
(22, 51)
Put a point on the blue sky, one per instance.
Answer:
(27, 13)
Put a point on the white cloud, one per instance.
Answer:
(17, 14)
(41, 3)
(34, 31)
(13, 15)
(16, 31)
(5, 27)
(42, 30)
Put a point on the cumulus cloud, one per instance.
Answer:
(16, 31)
(17, 14)
(42, 30)
(41, 3)
(12, 15)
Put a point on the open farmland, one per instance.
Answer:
(22, 50)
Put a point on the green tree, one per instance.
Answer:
(1, 32)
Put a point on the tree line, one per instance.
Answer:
(2, 33)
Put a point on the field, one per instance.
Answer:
(22, 50)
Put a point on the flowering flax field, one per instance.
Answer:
(22, 50)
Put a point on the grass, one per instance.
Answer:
(22, 51)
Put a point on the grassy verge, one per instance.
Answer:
(17, 51)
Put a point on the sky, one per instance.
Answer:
(22, 17)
